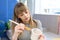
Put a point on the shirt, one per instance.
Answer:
(26, 35)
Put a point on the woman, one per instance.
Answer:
(23, 17)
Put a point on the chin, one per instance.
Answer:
(26, 20)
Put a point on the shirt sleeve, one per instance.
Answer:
(39, 25)
(9, 33)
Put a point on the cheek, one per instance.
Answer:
(28, 15)
(22, 18)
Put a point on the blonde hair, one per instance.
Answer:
(19, 8)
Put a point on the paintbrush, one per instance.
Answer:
(27, 28)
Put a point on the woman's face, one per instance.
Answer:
(24, 16)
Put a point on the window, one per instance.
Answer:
(47, 6)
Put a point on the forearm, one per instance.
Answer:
(14, 37)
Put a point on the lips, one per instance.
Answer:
(26, 18)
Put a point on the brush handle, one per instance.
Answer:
(27, 28)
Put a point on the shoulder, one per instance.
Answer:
(37, 21)
(39, 25)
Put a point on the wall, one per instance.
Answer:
(10, 8)
(3, 10)
(48, 21)
(6, 9)
(6, 13)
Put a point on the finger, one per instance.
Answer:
(41, 36)
(18, 27)
(19, 31)
(21, 24)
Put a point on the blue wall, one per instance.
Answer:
(3, 10)
(11, 4)
(6, 13)
(6, 9)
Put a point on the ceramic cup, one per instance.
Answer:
(35, 33)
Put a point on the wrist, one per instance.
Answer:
(15, 36)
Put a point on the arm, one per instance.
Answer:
(39, 25)
(17, 31)
(14, 37)
(41, 37)
(9, 33)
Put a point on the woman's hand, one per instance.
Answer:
(41, 37)
(18, 30)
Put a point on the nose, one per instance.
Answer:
(25, 15)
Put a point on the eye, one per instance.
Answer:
(21, 14)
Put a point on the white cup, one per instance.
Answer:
(35, 33)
